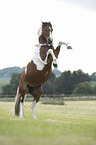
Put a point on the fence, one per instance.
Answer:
(50, 99)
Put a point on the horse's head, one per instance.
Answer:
(46, 30)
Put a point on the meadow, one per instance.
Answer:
(73, 123)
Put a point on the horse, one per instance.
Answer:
(38, 69)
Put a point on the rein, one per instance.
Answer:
(43, 44)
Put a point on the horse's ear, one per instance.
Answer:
(41, 23)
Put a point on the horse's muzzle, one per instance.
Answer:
(50, 40)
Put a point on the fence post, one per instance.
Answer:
(63, 99)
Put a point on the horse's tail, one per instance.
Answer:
(17, 103)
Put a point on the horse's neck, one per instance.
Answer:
(42, 40)
(46, 50)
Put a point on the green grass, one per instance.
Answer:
(53, 101)
(71, 124)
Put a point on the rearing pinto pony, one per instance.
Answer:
(38, 70)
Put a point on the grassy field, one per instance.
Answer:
(71, 124)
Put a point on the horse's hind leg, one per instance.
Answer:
(21, 105)
(33, 109)
(18, 104)
(36, 93)
(21, 91)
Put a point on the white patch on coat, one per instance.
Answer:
(33, 109)
(21, 110)
(50, 51)
(37, 59)
(26, 70)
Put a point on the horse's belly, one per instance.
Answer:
(35, 77)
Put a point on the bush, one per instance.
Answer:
(94, 90)
(83, 89)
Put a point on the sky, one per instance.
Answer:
(73, 21)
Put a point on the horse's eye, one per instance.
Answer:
(46, 30)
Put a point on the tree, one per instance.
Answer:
(67, 82)
(64, 83)
(94, 90)
(93, 77)
(11, 88)
(83, 89)
(49, 86)
(79, 76)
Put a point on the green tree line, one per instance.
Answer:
(75, 83)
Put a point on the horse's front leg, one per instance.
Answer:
(36, 93)
(63, 43)
(33, 109)
(66, 44)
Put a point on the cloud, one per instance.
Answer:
(86, 4)
(20, 21)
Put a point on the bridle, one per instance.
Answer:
(45, 44)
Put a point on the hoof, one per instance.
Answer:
(55, 65)
(21, 116)
(69, 47)
(34, 117)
